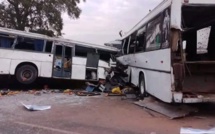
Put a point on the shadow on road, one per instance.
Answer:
(11, 83)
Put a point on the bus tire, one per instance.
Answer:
(142, 87)
(26, 74)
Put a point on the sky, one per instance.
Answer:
(101, 20)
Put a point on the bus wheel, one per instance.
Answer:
(26, 74)
(142, 86)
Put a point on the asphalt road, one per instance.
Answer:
(91, 115)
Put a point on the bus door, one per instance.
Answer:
(62, 66)
(92, 66)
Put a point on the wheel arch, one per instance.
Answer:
(141, 73)
(27, 63)
(145, 80)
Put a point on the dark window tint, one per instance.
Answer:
(104, 55)
(48, 46)
(82, 51)
(125, 46)
(68, 52)
(30, 44)
(132, 46)
(59, 50)
(6, 41)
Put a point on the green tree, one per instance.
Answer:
(41, 16)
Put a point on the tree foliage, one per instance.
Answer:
(42, 16)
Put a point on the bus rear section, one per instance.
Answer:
(196, 76)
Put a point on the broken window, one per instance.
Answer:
(141, 39)
(132, 46)
(6, 41)
(24, 43)
(48, 48)
(154, 33)
(158, 31)
(82, 51)
(125, 46)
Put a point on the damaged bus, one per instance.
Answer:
(28, 56)
(170, 53)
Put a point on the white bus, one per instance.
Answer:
(171, 52)
(28, 56)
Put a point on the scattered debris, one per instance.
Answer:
(56, 91)
(171, 111)
(68, 91)
(90, 89)
(36, 107)
(196, 131)
(116, 90)
(112, 94)
(84, 93)
(8, 92)
(38, 93)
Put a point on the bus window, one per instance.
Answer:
(141, 41)
(82, 51)
(125, 47)
(104, 55)
(166, 28)
(29, 44)
(48, 48)
(6, 42)
(132, 46)
(154, 34)
(67, 63)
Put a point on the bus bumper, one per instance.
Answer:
(198, 98)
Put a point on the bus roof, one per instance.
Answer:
(163, 5)
(44, 37)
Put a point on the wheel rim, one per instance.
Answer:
(142, 87)
(27, 74)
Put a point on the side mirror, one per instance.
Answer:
(184, 45)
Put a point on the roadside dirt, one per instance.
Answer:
(91, 115)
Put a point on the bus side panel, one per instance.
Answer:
(4, 66)
(135, 76)
(103, 64)
(5, 61)
(19, 57)
(46, 69)
(201, 2)
(101, 73)
(101, 69)
(158, 84)
(79, 61)
(159, 60)
(15, 63)
(78, 72)
(156, 66)
(176, 14)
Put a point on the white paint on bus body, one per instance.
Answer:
(198, 1)
(156, 60)
(156, 67)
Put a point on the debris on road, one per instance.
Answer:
(84, 93)
(171, 111)
(116, 90)
(8, 92)
(68, 91)
(36, 107)
(196, 131)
